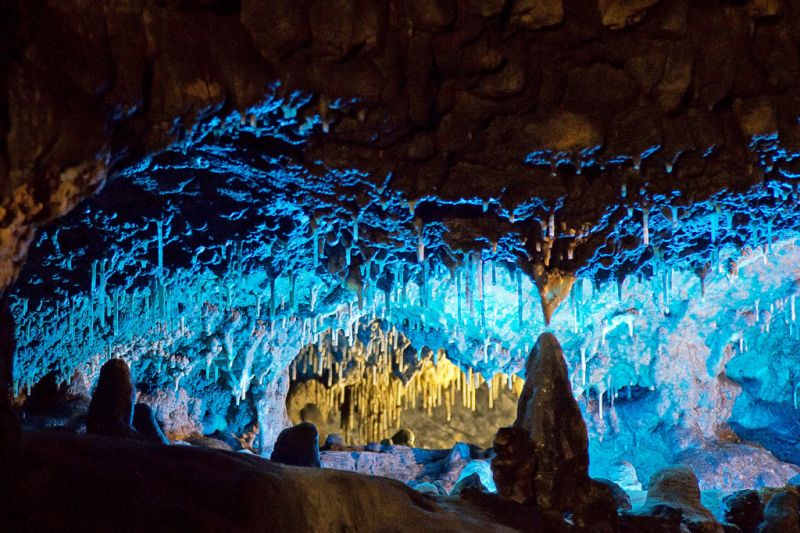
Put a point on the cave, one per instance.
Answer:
(458, 265)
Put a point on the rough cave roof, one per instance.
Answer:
(514, 111)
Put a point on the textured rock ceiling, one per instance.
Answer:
(524, 109)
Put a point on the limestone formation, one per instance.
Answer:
(111, 408)
(543, 459)
(298, 446)
(146, 425)
(271, 409)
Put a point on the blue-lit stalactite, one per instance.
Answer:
(211, 265)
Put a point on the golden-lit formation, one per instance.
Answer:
(368, 386)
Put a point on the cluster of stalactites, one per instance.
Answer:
(369, 386)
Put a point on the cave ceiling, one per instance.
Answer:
(571, 137)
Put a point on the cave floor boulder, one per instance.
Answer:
(65, 482)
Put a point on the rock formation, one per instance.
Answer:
(543, 459)
(298, 446)
(745, 509)
(10, 431)
(146, 425)
(781, 513)
(403, 437)
(677, 487)
(111, 408)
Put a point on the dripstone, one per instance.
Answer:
(543, 459)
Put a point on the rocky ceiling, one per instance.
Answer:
(569, 124)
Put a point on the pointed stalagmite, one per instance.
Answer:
(543, 459)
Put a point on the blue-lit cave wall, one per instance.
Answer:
(211, 265)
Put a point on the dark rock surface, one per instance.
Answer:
(621, 498)
(146, 425)
(333, 443)
(111, 409)
(206, 441)
(781, 513)
(543, 459)
(298, 446)
(403, 437)
(745, 509)
(10, 430)
(97, 484)
(471, 482)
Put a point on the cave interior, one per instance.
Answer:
(465, 265)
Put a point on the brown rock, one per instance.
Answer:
(617, 14)
(404, 437)
(677, 487)
(432, 15)
(553, 285)
(543, 459)
(756, 116)
(536, 14)
(646, 70)
(745, 509)
(677, 77)
(598, 87)
(146, 425)
(298, 446)
(781, 514)
(764, 8)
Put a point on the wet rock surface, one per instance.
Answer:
(111, 409)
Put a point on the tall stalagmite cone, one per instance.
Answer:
(111, 409)
(543, 459)
(10, 432)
